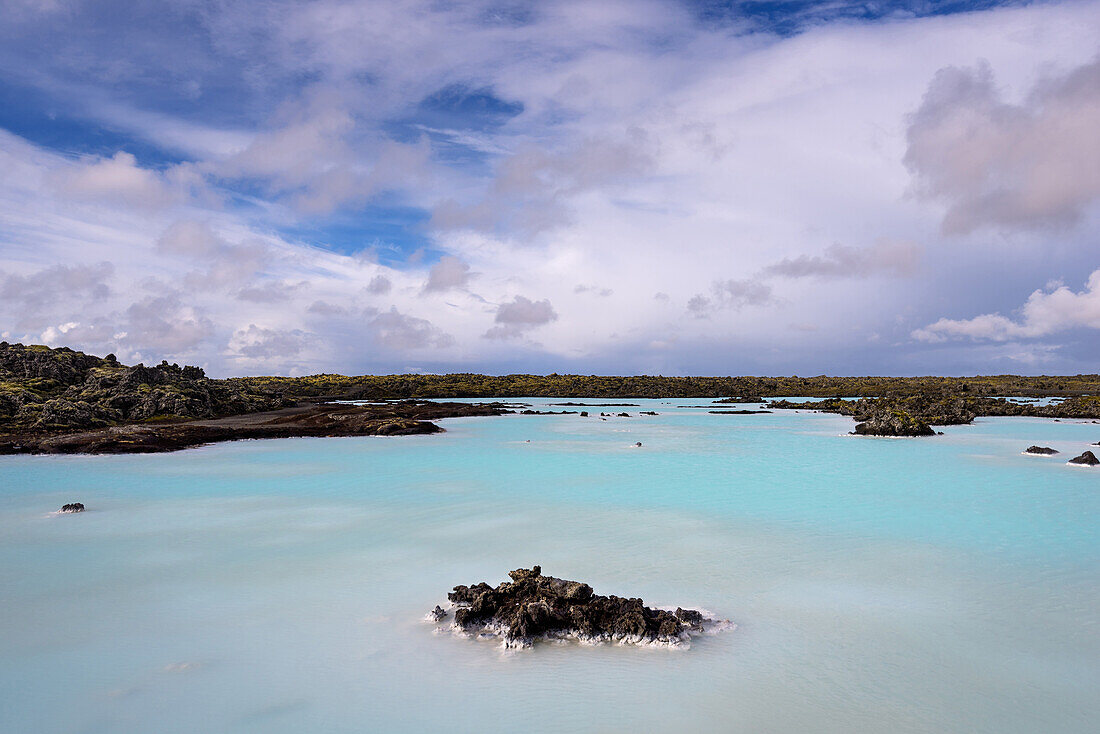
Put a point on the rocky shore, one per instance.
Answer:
(390, 419)
(532, 606)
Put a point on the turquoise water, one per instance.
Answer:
(880, 585)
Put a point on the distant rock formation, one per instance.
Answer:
(533, 606)
(1043, 450)
(404, 418)
(72, 507)
(1086, 459)
(893, 423)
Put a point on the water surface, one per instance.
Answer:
(947, 584)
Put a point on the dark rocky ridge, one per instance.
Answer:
(533, 606)
(72, 507)
(1040, 450)
(325, 420)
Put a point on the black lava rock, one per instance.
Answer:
(1086, 459)
(532, 605)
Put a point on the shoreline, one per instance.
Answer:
(323, 420)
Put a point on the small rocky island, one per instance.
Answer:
(72, 507)
(1040, 450)
(893, 423)
(532, 606)
(1086, 459)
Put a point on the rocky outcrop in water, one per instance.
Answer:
(893, 423)
(402, 418)
(72, 507)
(1086, 459)
(533, 606)
(1040, 450)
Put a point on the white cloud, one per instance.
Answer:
(520, 315)
(120, 180)
(1031, 164)
(402, 332)
(885, 257)
(1045, 312)
(260, 343)
(379, 285)
(308, 158)
(731, 294)
(449, 272)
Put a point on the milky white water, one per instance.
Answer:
(945, 584)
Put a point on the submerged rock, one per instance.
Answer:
(1044, 450)
(893, 423)
(1086, 459)
(73, 507)
(534, 606)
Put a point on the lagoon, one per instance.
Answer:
(944, 584)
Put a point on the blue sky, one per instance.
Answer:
(657, 186)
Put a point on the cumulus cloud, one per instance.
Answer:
(379, 285)
(256, 342)
(886, 257)
(1044, 313)
(1026, 165)
(72, 282)
(165, 325)
(520, 315)
(448, 273)
(308, 157)
(324, 308)
(222, 264)
(119, 179)
(533, 186)
(730, 294)
(270, 292)
(395, 330)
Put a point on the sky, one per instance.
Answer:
(599, 186)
